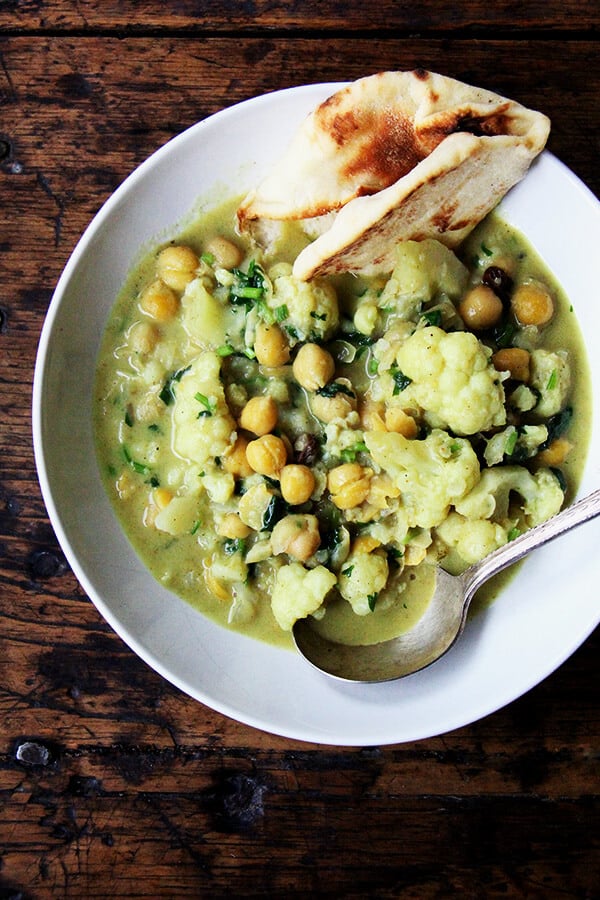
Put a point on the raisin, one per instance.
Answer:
(306, 449)
(499, 281)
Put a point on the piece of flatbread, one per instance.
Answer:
(391, 157)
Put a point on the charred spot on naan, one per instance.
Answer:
(388, 148)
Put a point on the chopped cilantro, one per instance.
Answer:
(372, 600)
(140, 468)
(372, 366)
(433, 317)
(167, 394)
(208, 403)
(334, 388)
(401, 381)
(234, 545)
(511, 443)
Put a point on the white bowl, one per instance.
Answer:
(539, 620)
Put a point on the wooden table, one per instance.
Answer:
(112, 783)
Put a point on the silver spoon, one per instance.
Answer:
(445, 617)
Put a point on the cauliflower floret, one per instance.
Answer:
(178, 516)
(517, 444)
(203, 427)
(431, 474)
(362, 577)
(551, 376)
(453, 379)
(423, 269)
(299, 592)
(312, 307)
(471, 539)
(202, 316)
(541, 494)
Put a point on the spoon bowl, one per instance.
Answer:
(444, 619)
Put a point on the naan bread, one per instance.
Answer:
(391, 157)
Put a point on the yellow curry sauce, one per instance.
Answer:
(323, 446)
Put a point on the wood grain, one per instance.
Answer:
(313, 15)
(112, 782)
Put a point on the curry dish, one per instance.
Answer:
(277, 448)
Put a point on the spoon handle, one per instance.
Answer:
(500, 559)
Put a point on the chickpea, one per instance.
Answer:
(514, 360)
(231, 526)
(125, 485)
(556, 453)
(313, 367)
(176, 266)
(143, 337)
(267, 455)
(372, 416)
(349, 485)
(365, 543)
(161, 497)
(235, 462)
(401, 422)
(215, 585)
(271, 346)
(259, 415)
(226, 253)
(159, 302)
(298, 536)
(480, 308)
(336, 403)
(297, 483)
(532, 304)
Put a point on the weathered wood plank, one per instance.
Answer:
(87, 16)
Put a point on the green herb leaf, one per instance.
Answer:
(433, 317)
(372, 600)
(334, 388)
(275, 511)
(372, 366)
(511, 443)
(138, 467)
(347, 571)
(208, 404)
(401, 381)
(167, 394)
(234, 545)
